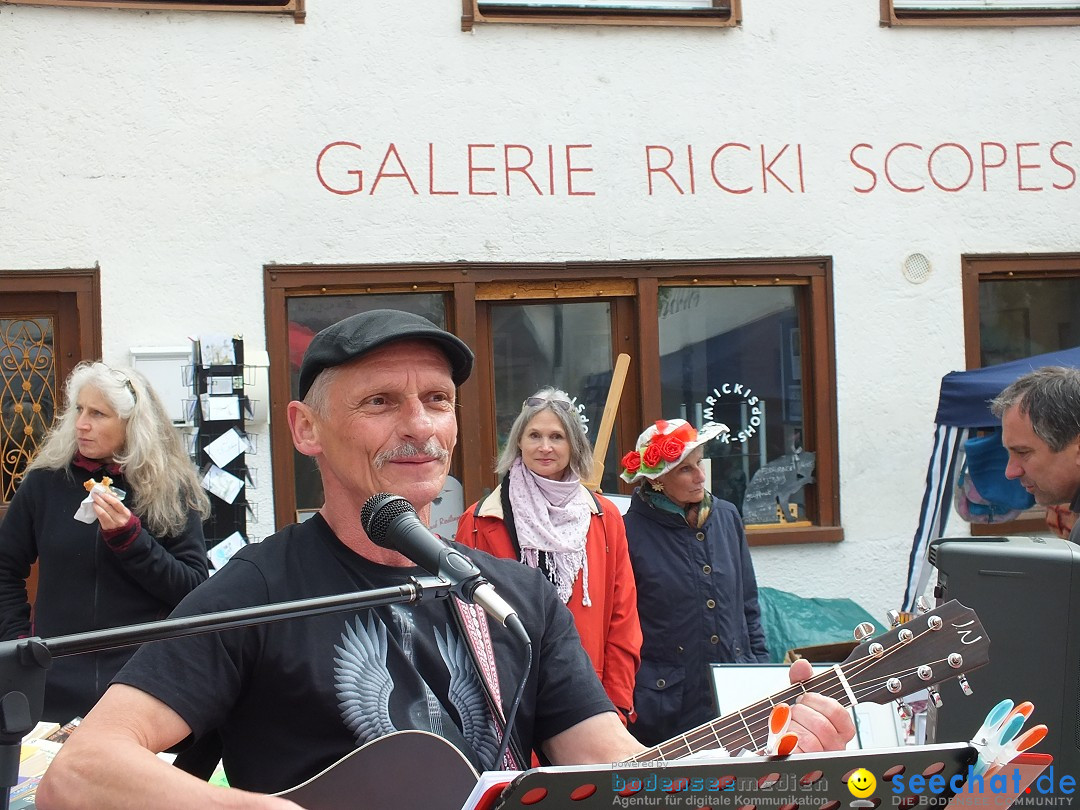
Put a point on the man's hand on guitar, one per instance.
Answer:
(821, 723)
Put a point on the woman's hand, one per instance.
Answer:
(110, 510)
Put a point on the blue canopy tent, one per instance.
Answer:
(963, 406)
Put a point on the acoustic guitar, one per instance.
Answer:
(416, 770)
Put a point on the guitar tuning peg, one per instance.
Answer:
(922, 605)
(893, 617)
(864, 630)
(903, 710)
(934, 695)
(965, 687)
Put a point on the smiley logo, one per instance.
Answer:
(861, 783)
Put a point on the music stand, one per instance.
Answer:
(815, 781)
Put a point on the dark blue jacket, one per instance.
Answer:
(698, 603)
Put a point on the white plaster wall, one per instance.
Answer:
(178, 151)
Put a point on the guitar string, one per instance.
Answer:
(692, 740)
(692, 737)
(853, 669)
(827, 681)
(734, 730)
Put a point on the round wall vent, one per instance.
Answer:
(917, 268)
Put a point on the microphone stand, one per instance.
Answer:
(23, 662)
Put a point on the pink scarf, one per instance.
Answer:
(552, 517)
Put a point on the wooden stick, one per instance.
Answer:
(607, 421)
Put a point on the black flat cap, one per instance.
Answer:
(358, 334)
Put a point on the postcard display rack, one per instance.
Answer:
(220, 444)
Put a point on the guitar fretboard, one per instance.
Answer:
(747, 728)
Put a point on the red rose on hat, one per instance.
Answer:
(671, 447)
(632, 461)
(651, 456)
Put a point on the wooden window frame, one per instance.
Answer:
(975, 18)
(83, 286)
(293, 8)
(726, 14)
(976, 268)
(632, 288)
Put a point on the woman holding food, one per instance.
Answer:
(111, 509)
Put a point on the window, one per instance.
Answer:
(716, 13)
(979, 12)
(746, 343)
(1015, 307)
(292, 7)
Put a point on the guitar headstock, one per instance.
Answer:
(927, 649)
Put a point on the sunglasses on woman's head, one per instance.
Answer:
(122, 378)
(561, 404)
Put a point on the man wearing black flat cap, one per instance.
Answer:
(290, 698)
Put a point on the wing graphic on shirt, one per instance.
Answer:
(466, 693)
(363, 680)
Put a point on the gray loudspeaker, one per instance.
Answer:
(1026, 592)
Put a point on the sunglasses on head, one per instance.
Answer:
(561, 404)
(123, 379)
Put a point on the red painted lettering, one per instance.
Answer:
(551, 169)
(431, 173)
(888, 175)
(522, 169)
(571, 170)
(690, 164)
(767, 169)
(857, 165)
(716, 154)
(356, 172)
(665, 170)
(392, 151)
(1020, 166)
(930, 166)
(474, 169)
(1067, 167)
(985, 164)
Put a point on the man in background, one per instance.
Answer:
(1040, 427)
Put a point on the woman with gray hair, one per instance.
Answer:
(542, 515)
(111, 509)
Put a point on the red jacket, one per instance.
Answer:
(609, 628)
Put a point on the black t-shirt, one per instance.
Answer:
(291, 697)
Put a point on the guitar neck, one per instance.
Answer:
(944, 643)
(746, 728)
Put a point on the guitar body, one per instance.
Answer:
(407, 769)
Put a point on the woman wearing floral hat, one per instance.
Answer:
(697, 594)
(541, 515)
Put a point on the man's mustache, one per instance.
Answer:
(408, 450)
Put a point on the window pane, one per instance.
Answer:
(1019, 318)
(307, 316)
(732, 355)
(27, 394)
(564, 345)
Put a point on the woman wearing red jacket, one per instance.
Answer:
(541, 515)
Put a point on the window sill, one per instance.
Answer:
(981, 18)
(1022, 525)
(293, 8)
(795, 535)
(518, 14)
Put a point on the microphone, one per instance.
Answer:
(391, 522)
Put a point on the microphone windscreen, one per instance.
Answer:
(381, 510)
